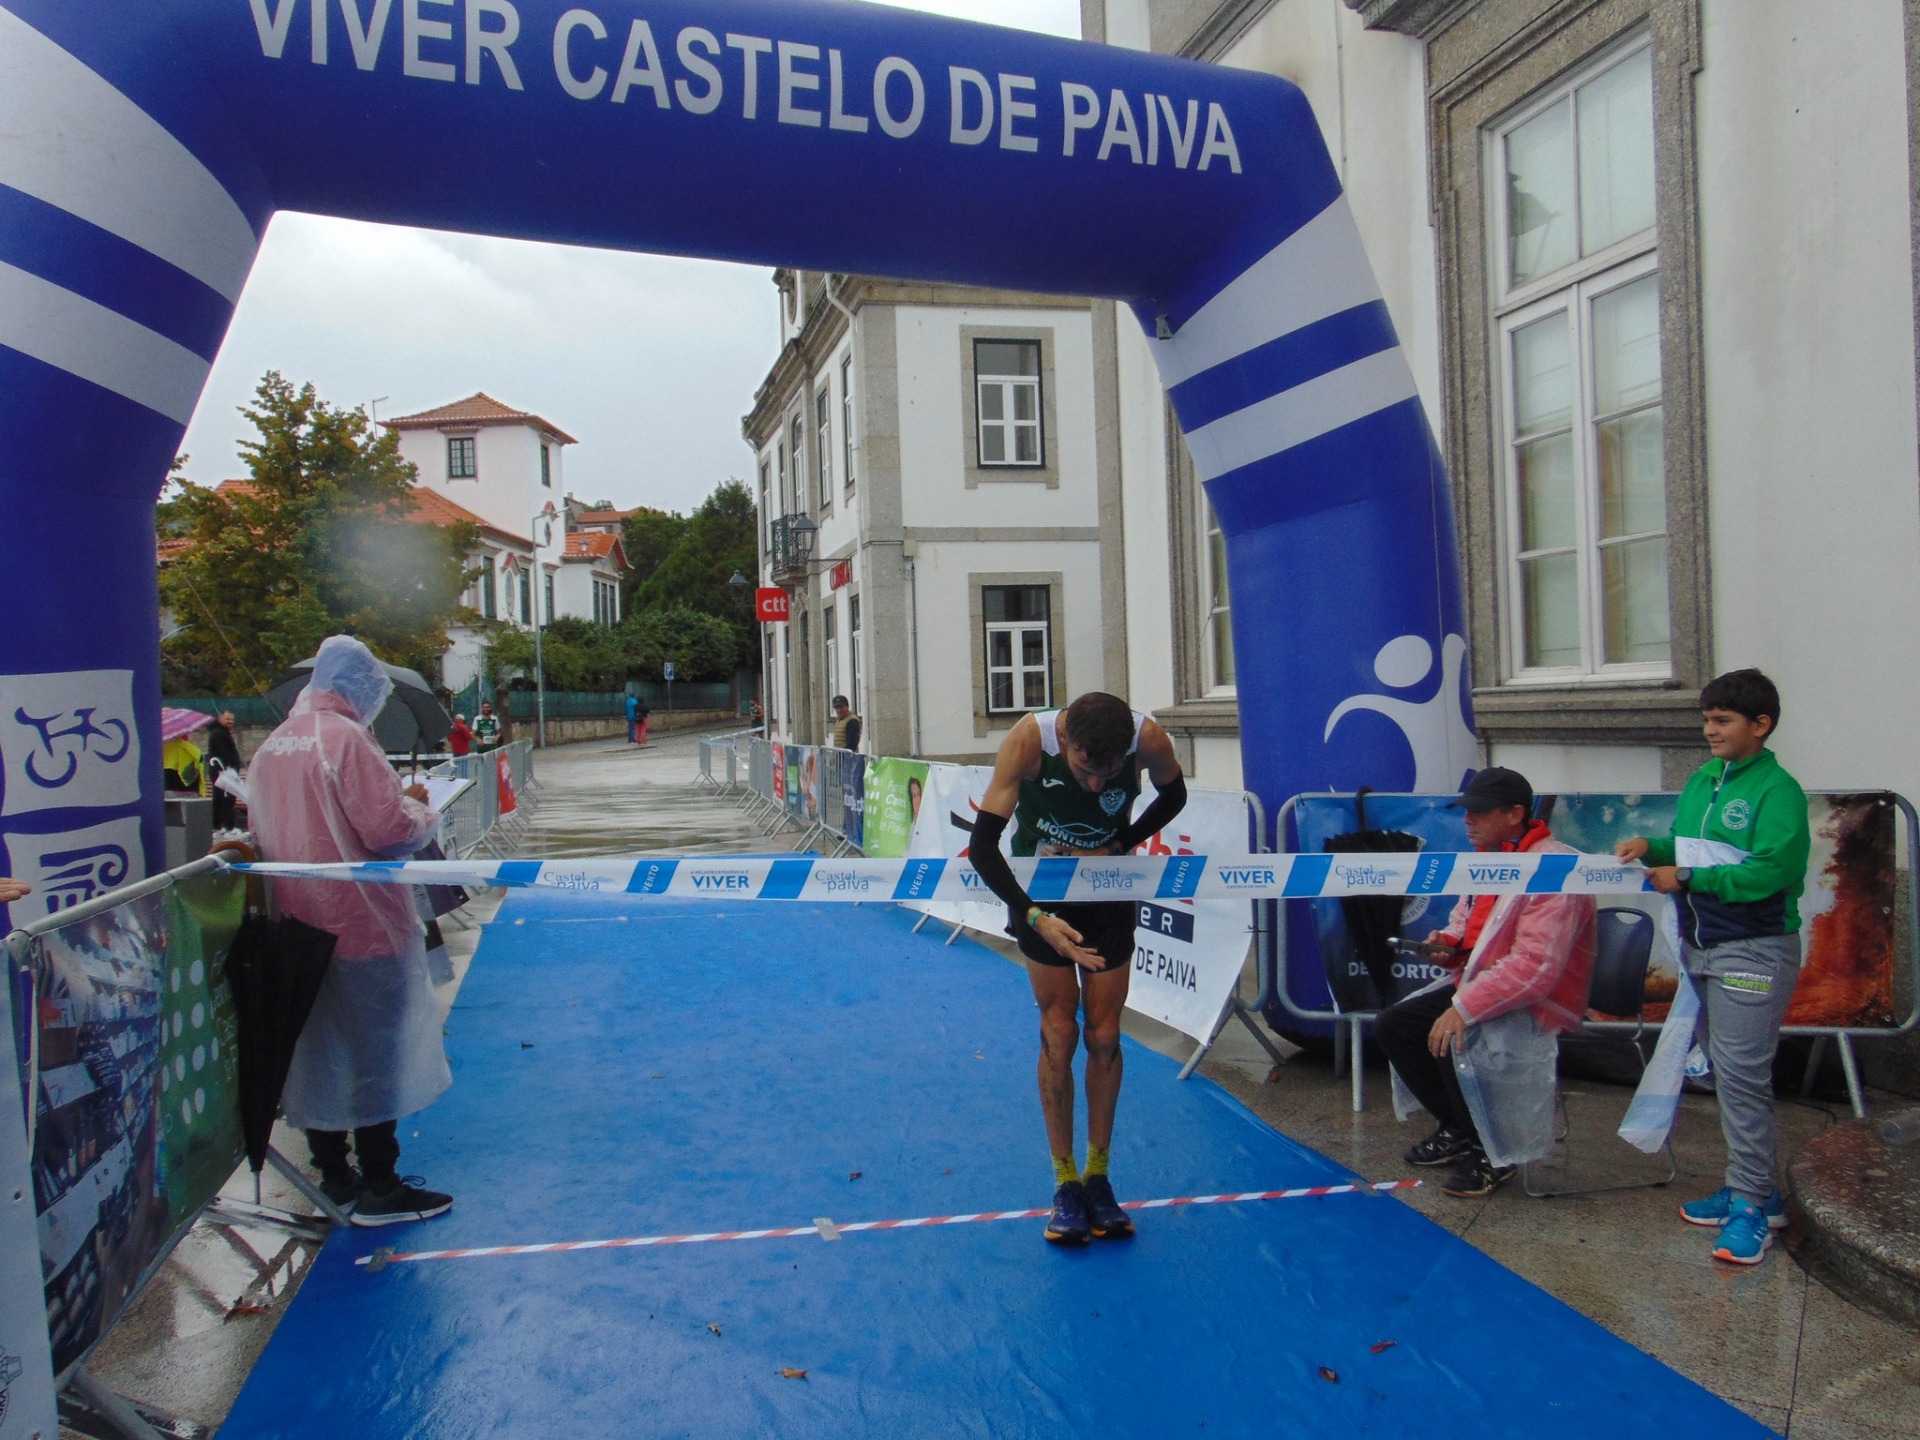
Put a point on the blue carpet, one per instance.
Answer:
(699, 1067)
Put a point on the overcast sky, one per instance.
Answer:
(648, 362)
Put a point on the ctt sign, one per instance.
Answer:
(770, 604)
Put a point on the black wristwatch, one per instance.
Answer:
(1683, 874)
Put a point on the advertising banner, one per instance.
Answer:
(1187, 954)
(26, 1367)
(853, 800)
(1846, 911)
(779, 758)
(833, 781)
(894, 789)
(503, 772)
(138, 1122)
(1324, 969)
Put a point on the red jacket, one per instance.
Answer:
(460, 738)
(1534, 952)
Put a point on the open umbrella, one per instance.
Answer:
(274, 968)
(412, 719)
(175, 722)
(1372, 920)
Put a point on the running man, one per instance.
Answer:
(1070, 778)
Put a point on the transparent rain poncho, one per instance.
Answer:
(319, 789)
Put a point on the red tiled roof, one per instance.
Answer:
(594, 518)
(596, 545)
(434, 508)
(478, 408)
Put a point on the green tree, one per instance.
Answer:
(647, 536)
(321, 540)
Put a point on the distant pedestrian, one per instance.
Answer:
(844, 733)
(223, 757)
(460, 737)
(486, 729)
(641, 711)
(633, 719)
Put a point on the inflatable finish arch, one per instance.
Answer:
(144, 144)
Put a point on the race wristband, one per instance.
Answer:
(1035, 915)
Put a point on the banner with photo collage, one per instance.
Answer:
(137, 1122)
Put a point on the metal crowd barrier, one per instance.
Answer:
(1349, 1025)
(475, 820)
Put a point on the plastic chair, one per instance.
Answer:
(1623, 947)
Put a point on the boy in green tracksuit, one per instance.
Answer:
(1736, 863)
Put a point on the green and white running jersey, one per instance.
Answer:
(1054, 808)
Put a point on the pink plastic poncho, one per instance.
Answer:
(321, 790)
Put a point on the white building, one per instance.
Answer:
(940, 442)
(1653, 262)
(486, 462)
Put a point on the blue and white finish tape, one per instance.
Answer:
(1050, 880)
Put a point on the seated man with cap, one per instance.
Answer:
(1507, 952)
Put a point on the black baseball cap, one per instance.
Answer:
(1495, 789)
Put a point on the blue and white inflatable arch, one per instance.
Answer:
(144, 144)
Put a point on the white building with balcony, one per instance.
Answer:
(932, 448)
(482, 461)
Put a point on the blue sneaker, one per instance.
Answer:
(1715, 1208)
(1068, 1225)
(1104, 1213)
(1745, 1237)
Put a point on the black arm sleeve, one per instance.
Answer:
(1166, 804)
(984, 851)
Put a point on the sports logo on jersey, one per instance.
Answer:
(1111, 801)
(1737, 816)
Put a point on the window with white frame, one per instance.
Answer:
(766, 502)
(546, 464)
(1216, 604)
(846, 420)
(1578, 311)
(547, 598)
(853, 650)
(823, 443)
(606, 601)
(1019, 639)
(796, 451)
(1007, 402)
(489, 595)
(780, 474)
(526, 597)
(831, 631)
(460, 458)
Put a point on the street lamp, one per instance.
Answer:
(539, 662)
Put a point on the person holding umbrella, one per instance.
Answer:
(321, 789)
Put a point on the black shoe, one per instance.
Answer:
(401, 1201)
(1476, 1176)
(1068, 1225)
(1442, 1147)
(1104, 1215)
(343, 1189)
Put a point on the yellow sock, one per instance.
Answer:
(1096, 1161)
(1064, 1169)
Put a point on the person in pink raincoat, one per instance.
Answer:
(1531, 953)
(321, 790)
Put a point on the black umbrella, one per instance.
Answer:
(274, 968)
(1372, 920)
(412, 719)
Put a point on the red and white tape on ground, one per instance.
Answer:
(829, 1230)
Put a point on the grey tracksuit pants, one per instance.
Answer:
(1745, 987)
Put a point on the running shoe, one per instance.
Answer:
(1476, 1176)
(1442, 1147)
(1068, 1224)
(1104, 1214)
(1745, 1237)
(403, 1200)
(1717, 1208)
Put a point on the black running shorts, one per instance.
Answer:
(1105, 929)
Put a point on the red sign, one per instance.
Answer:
(841, 574)
(504, 771)
(770, 604)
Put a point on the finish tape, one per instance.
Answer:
(831, 1230)
(1048, 880)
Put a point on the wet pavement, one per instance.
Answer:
(1770, 1339)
